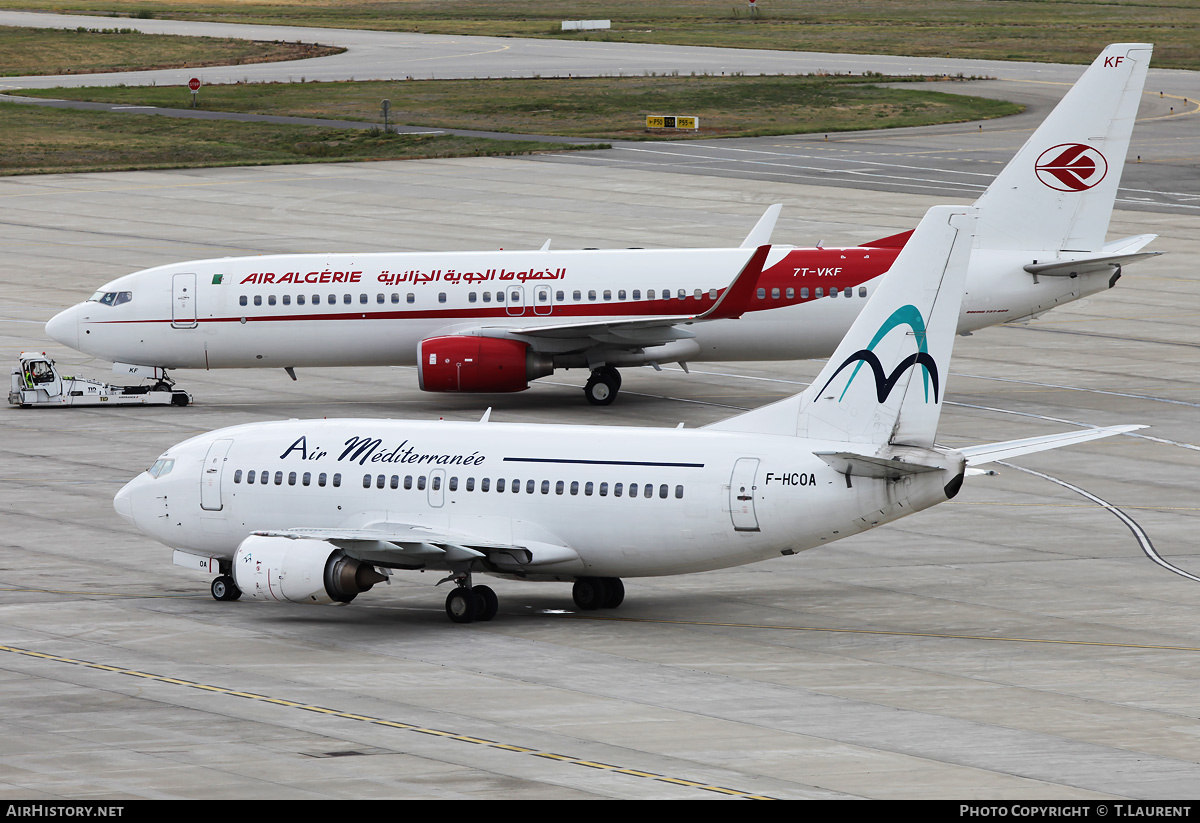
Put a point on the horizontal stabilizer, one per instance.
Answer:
(977, 455)
(861, 465)
(760, 235)
(1066, 268)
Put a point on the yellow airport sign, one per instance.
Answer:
(659, 121)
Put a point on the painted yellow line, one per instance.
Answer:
(575, 761)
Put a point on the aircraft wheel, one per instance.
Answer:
(223, 588)
(615, 594)
(490, 603)
(590, 593)
(601, 389)
(610, 372)
(462, 605)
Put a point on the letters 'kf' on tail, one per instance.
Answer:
(1057, 193)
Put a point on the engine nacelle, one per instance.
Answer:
(302, 571)
(466, 363)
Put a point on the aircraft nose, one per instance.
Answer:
(123, 502)
(64, 327)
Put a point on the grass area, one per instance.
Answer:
(38, 140)
(603, 108)
(1063, 31)
(85, 51)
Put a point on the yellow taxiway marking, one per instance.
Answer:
(378, 721)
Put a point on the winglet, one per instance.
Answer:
(735, 300)
(760, 235)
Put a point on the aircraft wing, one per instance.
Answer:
(643, 331)
(412, 546)
(989, 452)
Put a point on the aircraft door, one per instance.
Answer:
(741, 495)
(514, 300)
(210, 477)
(543, 300)
(183, 301)
(437, 488)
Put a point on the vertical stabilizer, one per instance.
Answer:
(885, 382)
(1057, 193)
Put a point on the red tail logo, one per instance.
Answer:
(1071, 167)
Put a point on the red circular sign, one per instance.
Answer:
(194, 84)
(1071, 167)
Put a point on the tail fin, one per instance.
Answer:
(884, 383)
(1057, 193)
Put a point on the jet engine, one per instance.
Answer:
(468, 363)
(302, 571)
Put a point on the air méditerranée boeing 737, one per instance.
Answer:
(319, 511)
(494, 321)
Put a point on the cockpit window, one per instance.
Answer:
(111, 298)
(162, 466)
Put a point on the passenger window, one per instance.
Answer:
(487, 297)
(804, 293)
(337, 480)
(299, 299)
(790, 293)
(604, 490)
(633, 489)
(485, 484)
(679, 492)
(395, 481)
(408, 481)
(574, 487)
(332, 299)
(470, 484)
(237, 476)
(637, 294)
(441, 297)
(291, 478)
(819, 293)
(650, 294)
(587, 488)
(366, 481)
(577, 295)
(762, 293)
(529, 485)
(395, 297)
(499, 484)
(833, 292)
(347, 299)
(271, 300)
(258, 299)
(558, 487)
(607, 294)
(648, 490)
(560, 295)
(379, 298)
(712, 294)
(775, 294)
(545, 487)
(250, 477)
(411, 297)
(617, 489)
(849, 292)
(471, 297)
(862, 291)
(321, 479)
(620, 294)
(242, 301)
(681, 294)
(662, 491)
(278, 478)
(307, 479)
(421, 483)
(453, 484)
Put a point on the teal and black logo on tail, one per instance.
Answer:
(884, 383)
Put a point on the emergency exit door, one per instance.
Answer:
(741, 495)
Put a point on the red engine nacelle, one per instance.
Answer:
(478, 364)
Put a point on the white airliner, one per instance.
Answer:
(493, 321)
(318, 511)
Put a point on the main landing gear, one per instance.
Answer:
(602, 386)
(598, 593)
(466, 603)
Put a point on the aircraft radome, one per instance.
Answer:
(494, 321)
(319, 511)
